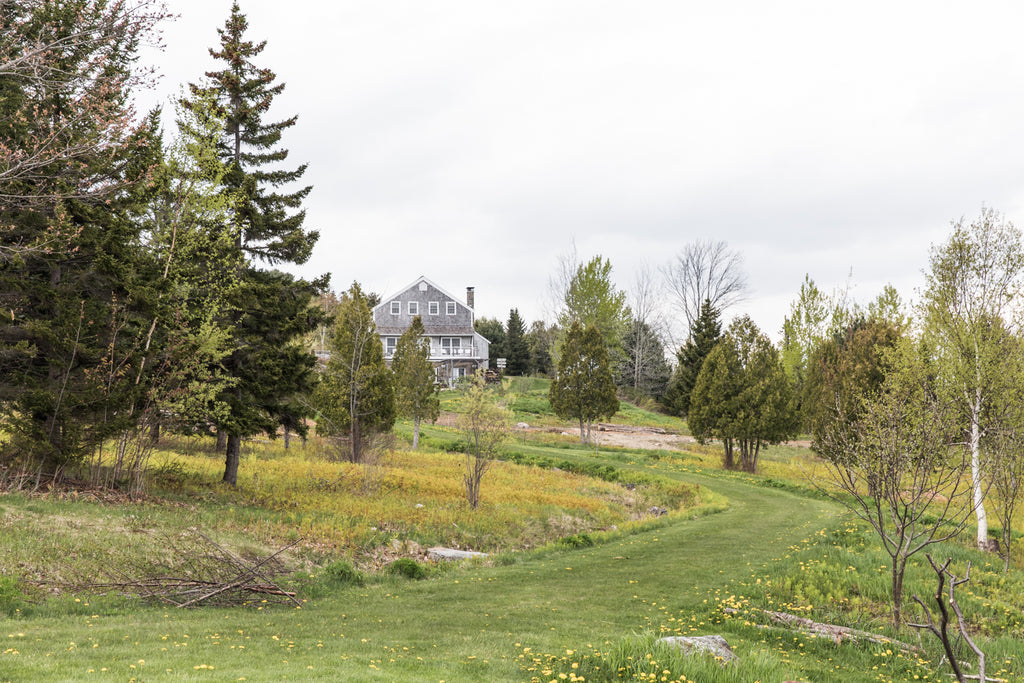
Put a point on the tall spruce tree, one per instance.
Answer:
(268, 310)
(517, 350)
(75, 284)
(704, 334)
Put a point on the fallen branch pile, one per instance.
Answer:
(201, 571)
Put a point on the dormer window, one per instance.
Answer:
(414, 308)
(396, 308)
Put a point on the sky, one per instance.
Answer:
(478, 143)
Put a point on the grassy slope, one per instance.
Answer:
(522, 621)
(472, 624)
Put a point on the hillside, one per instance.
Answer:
(539, 609)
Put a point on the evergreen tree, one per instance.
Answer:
(704, 334)
(356, 395)
(266, 310)
(540, 340)
(415, 390)
(742, 396)
(584, 389)
(517, 351)
(493, 331)
(76, 286)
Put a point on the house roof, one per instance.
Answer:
(422, 278)
(431, 325)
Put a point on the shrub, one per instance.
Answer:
(341, 573)
(577, 541)
(407, 567)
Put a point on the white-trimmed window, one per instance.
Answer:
(450, 346)
(414, 308)
(433, 308)
(449, 308)
(389, 345)
(396, 308)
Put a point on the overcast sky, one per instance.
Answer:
(473, 142)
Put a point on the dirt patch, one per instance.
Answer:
(627, 436)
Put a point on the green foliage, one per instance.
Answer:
(13, 601)
(970, 304)
(267, 311)
(408, 568)
(341, 573)
(901, 463)
(642, 657)
(516, 349)
(842, 373)
(592, 300)
(356, 395)
(77, 285)
(485, 425)
(577, 541)
(742, 396)
(704, 334)
(493, 331)
(584, 389)
(415, 392)
(541, 340)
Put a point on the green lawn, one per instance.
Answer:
(555, 613)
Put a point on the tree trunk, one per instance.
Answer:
(583, 432)
(415, 433)
(728, 463)
(232, 452)
(287, 437)
(978, 485)
(898, 567)
(222, 440)
(355, 441)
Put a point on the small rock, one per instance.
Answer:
(452, 554)
(716, 646)
(522, 425)
(657, 511)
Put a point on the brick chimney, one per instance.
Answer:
(470, 298)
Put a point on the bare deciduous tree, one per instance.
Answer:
(941, 630)
(644, 367)
(705, 270)
(901, 466)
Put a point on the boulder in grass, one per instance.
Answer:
(452, 554)
(716, 646)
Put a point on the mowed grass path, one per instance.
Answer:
(473, 624)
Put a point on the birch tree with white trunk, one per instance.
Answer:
(971, 298)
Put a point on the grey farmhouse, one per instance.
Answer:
(456, 350)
